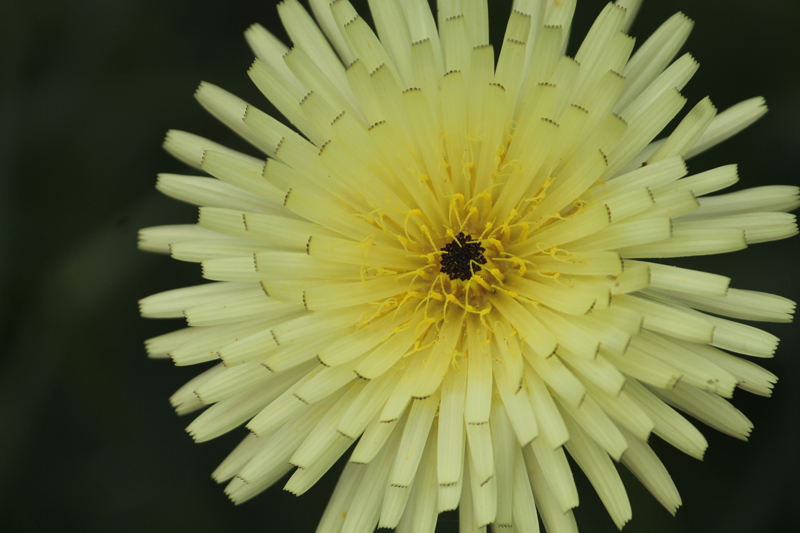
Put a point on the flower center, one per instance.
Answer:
(462, 257)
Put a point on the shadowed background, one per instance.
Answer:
(88, 441)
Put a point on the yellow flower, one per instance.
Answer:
(447, 269)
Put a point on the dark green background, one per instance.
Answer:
(88, 441)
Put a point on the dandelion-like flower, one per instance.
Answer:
(448, 268)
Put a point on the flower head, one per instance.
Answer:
(448, 269)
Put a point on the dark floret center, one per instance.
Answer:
(462, 257)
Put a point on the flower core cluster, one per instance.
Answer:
(462, 258)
